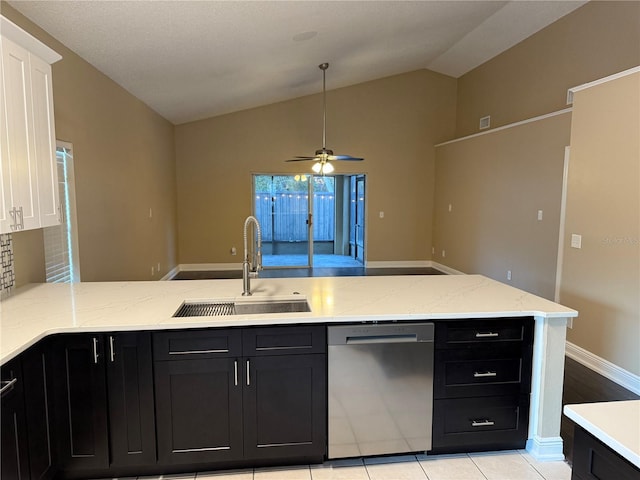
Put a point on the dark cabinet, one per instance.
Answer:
(593, 460)
(285, 393)
(36, 367)
(482, 381)
(14, 447)
(81, 402)
(234, 395)
(104, 401)
(199, 411)
(198, 395)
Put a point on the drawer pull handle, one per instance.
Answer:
(484, 374)
(235, 372)
(112, 349)
(486, 335)
(8, 386)
(482, 423)
(198, 352)
(95, 350)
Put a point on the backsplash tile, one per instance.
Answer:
(7, 271)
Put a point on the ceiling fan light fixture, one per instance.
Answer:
(322, 168)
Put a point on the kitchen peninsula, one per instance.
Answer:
(37, 311)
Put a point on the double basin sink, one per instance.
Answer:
(247, 307)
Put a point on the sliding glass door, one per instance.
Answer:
(310, 220)
(282, 204)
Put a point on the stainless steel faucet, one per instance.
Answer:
(251, 269)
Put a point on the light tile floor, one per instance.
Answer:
(506, 465)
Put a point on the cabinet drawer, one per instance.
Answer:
(475, 332)
(483, 371)
(480, 423)
(284, 340)
(190, 344)
(480, 377)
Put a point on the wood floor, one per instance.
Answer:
(583, 385)
(308, 272)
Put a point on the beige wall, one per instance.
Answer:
(393, 123)
(532, 78)
(124, 165)
(602, 279)
(495, 184)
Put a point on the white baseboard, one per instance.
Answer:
(605, 368)
(547, 449)
(445, 269)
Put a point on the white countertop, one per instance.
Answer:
(616, 424)
(37, 310)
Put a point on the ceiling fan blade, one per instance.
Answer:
(345, 157)
(301, 159)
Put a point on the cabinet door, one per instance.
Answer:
(285, 406)
(198, 410)
(131, 406)
(81, 402)
(45, 142)
(18, 160)
(14, 451)
(593, 460)
(36, 365)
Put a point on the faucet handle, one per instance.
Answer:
(253, 274)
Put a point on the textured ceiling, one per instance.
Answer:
(190, 60)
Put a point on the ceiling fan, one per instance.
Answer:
(324, 155)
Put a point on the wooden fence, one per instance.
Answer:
(283, 216)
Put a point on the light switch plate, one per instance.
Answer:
(576, 241)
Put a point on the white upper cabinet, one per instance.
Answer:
(27, 133)
(44, 138)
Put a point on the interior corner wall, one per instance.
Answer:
(495, 184)
(532, 78)
(602, 279)
(392, 122)
(124, 163)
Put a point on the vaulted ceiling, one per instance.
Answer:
(190, 60)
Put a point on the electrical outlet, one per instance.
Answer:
(450, 207)
(234, 251)
(508, 274)
(381, 214)
(539, 215)
(153, 271)
(444, 254)
(158, 268)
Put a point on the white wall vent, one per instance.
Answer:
(485, 122)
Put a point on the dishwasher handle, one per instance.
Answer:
(364, 334)
(369, 339)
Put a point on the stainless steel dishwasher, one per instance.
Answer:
(380, 388)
